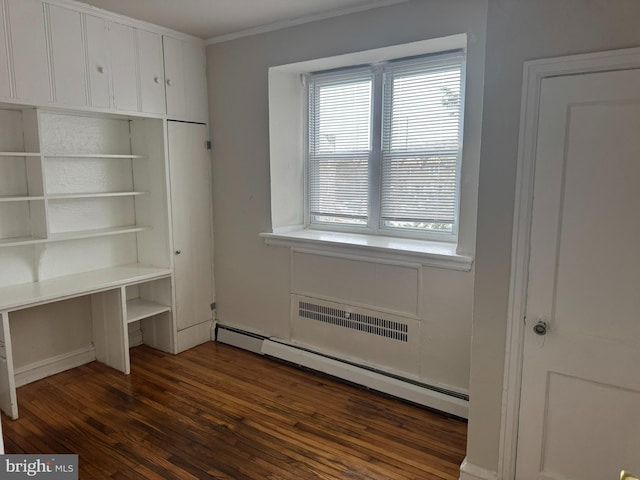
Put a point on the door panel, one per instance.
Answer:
(68, 57)
(151, 71)
(174, 70)
(5, 82)
(580, 415)
(191, 218)
(29, 50)
(195, 82)
(98, 61)
(124, 74)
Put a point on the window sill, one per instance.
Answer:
(428, 253)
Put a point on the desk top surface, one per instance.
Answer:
(17, 297)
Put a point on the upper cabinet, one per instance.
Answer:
(151, 68)
(97, 56)
(185, 72)
(5, 81)
(67, 56)
(28, 50)
(61, 54)
(124, 71)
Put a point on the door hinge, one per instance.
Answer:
(213, 306)
(207, 144)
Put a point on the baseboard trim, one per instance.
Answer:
(371, 379)
(391, 385)
(469, 471)
(239, 338)
(194, 335)
(50, 366)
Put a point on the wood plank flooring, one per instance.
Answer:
(219, 412)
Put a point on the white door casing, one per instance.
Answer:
(587, 299)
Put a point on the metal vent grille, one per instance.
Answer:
(356, 321)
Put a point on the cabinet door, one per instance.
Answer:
(174, 75)
(5, 82)
(97, 38)
(151, 72)
(67, 56)
(124, 74)
(192, 231)
(29, 50)
(195, 82)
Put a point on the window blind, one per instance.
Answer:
(421, 131)
(411, 181)
(339, 139)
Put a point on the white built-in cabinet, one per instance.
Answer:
(62, 54)
(186, 80)
(103, 196)
(104, 64)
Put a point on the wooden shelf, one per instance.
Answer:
(90, 155)
(139, 308)
(19, 154)
(19, 198)
(73, 196)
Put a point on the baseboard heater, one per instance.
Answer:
(451, 402)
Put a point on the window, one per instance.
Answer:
(384, 147)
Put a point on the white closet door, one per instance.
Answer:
(29, 50)
(67, 56)
(124, 73)
(192, 231)
(151, 71)
(97, 39)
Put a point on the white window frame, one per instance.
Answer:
(287, 100)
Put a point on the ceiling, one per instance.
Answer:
(214, 18)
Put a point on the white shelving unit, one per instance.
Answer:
(84, 212)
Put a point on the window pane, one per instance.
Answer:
(339, 144)
(420, 192)
(421, 144)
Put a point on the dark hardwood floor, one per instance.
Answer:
(219, 412)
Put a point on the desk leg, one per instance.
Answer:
(8, 400)
(110, 336)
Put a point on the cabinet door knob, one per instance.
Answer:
(169, 82)
(178, 252)
(156, 79)
(101, 69)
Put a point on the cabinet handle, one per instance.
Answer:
(178, 252)
(169, 82)
(101, 69)
(156, 79)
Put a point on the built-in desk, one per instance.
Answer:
(111, 308)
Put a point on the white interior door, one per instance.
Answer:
(191, 218)
(580, 399)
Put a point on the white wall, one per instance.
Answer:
(253, 280)
(518, 30)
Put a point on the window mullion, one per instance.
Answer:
(375, 155)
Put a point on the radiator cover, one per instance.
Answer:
(375, 338)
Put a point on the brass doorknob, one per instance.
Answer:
(627, 476)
